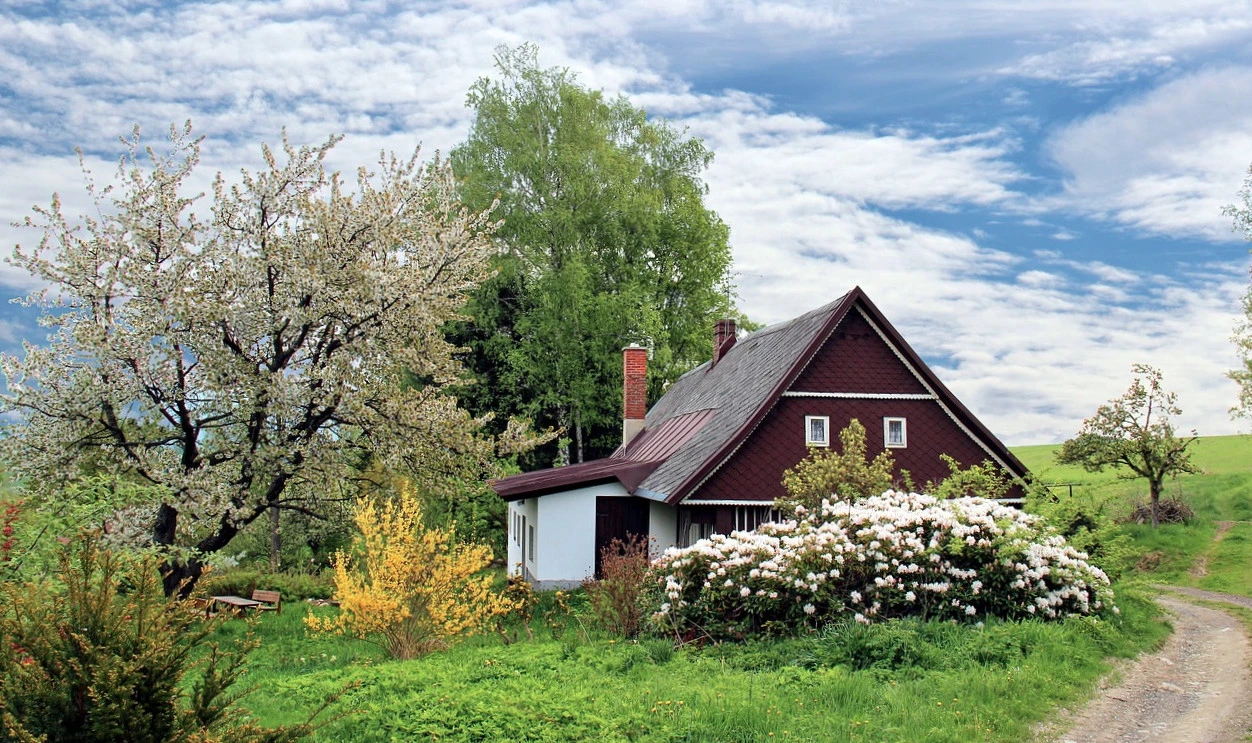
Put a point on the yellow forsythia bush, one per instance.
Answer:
(412, 586)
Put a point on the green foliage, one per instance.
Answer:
(37, 524)
(607, 242)
(103, 656)
(1133, 431)
(986, 480)
(844, 474)
(293, 586)
(1088, 521)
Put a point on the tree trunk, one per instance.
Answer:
(275, 540)
(176, 576)
(1154, 492)
(578, 436)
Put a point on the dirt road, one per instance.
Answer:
(1195, 689)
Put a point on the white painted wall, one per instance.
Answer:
(565, 534)
(567, 539)
(662, 528)
(519, 538)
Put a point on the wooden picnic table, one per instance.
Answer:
(237, 603)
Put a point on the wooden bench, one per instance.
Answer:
(268, 601)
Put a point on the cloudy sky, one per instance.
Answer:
(1031, 191)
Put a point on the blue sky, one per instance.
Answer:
(1031, 191)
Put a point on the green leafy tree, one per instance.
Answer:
(986, 480)
(606, 241)
(1133, 433)
(846, 474)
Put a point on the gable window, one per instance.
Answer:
(894, 433)
(817, 430)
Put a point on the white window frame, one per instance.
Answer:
(808, 430)
(532, 542)
(886, 433)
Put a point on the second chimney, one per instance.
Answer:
(723, 337)
(634, 391)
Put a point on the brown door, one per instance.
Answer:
(618, 518)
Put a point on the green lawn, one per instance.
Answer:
(911, 680)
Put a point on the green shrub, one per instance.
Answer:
(100, 655)
(243, 581)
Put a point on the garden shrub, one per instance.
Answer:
(100, 654)
(615, 597)
(845, 472)
(243, 581)
(894, 555)
(410, 588)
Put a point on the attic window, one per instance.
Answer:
(817, 430)
(894, 433)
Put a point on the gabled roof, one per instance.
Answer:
(711, 410)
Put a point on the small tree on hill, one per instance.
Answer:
(1242, 216)
(1133, 431)
(845, 474)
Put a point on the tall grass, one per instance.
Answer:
(911, 680)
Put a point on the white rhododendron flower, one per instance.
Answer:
(899, 554)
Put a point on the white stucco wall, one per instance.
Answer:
(567, 534)
(662, 528)
(528, 508)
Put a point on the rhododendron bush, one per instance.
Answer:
(898, 554)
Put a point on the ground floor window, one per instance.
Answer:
(695, 524)
(894, 434)
(748, 518)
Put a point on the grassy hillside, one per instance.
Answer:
(1190, 554)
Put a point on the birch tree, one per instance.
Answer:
(239, 359)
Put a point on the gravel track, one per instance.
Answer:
(1196, 689)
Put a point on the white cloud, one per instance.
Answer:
(1138, 45)
(1165, 162)
(1032, 343)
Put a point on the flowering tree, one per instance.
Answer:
(895, 554)
(241, 358)
(1134, 432)
(1241, 214)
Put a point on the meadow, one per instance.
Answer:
(901, 680)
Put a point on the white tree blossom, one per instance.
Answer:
(244, 359)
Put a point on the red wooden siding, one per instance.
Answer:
(856, 359)
(755, 472)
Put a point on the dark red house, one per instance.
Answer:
(710, 454)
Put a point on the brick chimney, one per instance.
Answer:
(634, 390)
(723, 337)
